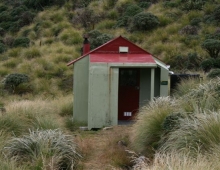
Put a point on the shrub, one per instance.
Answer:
(86, 17)
(2, 48)
(12, 81)
(103, 38)
(44, 149)
(8, 40)
(195, 21)
(193, 5)
(216, 13)
(144, 4)
(214, 73)
(212, 46)
(189, 30)
(144, 21)
(21, 42)
(130, 11)
(2, 31)
(207, 64)
(170, 4)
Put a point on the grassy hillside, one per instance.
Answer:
(37, 40)
(42, 46)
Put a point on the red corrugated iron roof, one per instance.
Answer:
(122, 58)
(112, 47)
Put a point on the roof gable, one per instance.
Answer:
(112, 47)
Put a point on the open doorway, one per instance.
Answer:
(128, 93)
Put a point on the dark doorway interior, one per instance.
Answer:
(128, 93)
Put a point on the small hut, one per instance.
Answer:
(114, 80)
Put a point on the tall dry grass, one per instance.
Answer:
(45, 149)
(147, 130)
(197, 134)
(176, 161)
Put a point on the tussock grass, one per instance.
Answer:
(11, 164)
(49, 149)
(71, 37)
(4, 71)
(12, 125)
(185, 86)
(106, 24)
(147, 131)
(197, 134)
(14, 52)
(179, 162)
(11, 63)
(206, 95)
(32, 52)
(36, 114)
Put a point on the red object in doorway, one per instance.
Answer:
(128, 93)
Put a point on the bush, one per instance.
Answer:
(195, 21)
(100, 40)
(2, 32)
(21, 42)
(86, 17)
(2, 48)
(193, 5)
(214, 73)
(144, 22)
(12, 81)
(216, 14)
(212, 46)
(170, 4)
(208, 64)
(44, 149)
(144, 4)
(127, 15)
(189, 30)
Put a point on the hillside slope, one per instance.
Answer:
(53, 35)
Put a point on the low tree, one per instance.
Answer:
(12, 81)
(144, 21)
(212, 46)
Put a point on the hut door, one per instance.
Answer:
(128, 93)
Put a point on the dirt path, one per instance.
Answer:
(102, 149)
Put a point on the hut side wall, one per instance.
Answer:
(80, 90)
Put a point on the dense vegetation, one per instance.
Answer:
(39, 37)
